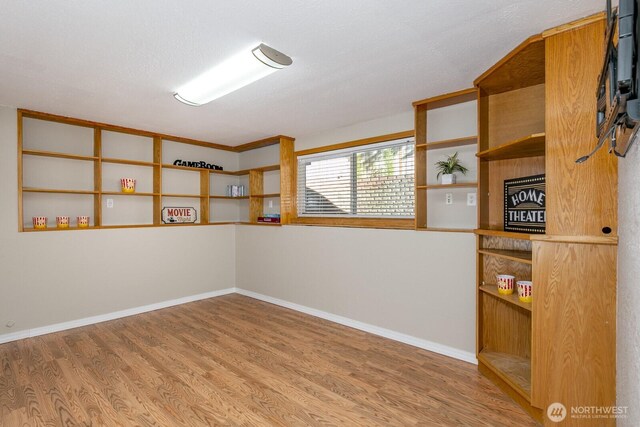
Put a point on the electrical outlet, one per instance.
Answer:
(471, 199)
(448, 198)
(109, 203)
(270, 203)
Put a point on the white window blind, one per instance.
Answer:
(375, 181)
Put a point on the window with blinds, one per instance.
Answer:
(373, 181)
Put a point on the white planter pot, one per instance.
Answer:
(448, 179)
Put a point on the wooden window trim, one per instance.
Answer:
(382, 223)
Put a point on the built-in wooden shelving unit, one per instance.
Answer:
(435, 119)
(536, 114)
(139, 154)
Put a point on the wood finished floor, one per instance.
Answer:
(234, 360)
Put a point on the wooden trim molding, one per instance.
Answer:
(574, 24)
(398, 224)
(357, 142)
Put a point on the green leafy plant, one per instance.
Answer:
(451, 165)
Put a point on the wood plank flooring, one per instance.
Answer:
(234, 360)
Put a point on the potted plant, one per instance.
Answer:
(447, 168)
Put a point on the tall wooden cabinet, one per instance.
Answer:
(536, 114)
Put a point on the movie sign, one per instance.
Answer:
(179, 215)
(524, 204)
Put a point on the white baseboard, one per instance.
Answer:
(109, 316)
(372, 329)
(376, 330)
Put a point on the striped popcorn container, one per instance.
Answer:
(83, 221)
(62, 221)
(524, 290)
(505, 284)
(128, 185)
(39, 222)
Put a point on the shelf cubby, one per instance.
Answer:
(511, 299)
(514, 370)
(528, 146)
(524, 257)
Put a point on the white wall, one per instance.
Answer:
(628, 337)
(416, 283)
(52, 277)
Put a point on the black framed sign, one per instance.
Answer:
(524, 204)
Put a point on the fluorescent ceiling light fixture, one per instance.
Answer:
(234, 73)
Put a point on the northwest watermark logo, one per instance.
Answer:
(556, 412)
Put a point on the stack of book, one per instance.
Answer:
(274, 218)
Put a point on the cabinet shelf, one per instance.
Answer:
(511, 299)
(183, 168)
(514, 370)
(58, 155)
(445, 186)
(129, 162)
(449, 143)
(54, 191)
(268, 224)
(529, 146)
(517, 256)
(120, 193)
(500, 233)
(192, 196)
(59, 229)
(447, 230)
(266, 196)
(229, 197)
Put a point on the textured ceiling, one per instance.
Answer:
(119, 61)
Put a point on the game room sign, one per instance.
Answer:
(524, 204)
(179, 215)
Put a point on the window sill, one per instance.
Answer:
(397, 224)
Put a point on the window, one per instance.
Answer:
(372, 181)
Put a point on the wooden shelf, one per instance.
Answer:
(49, 190)
(60, 229)
(457, 185)
(129, 162)
(229, 197)
(184, 168)
(453, 98)
(58, 155)
(529, 146)
(524, 66)
(517, 256)
(500, 233)
(447, 230)
(192, 196)
(260, 169)
(268, 224)
(266, 196)
(511, 299)
(120, 193)
(449, 143)
(514, 370)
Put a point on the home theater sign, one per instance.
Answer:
(524, 205)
